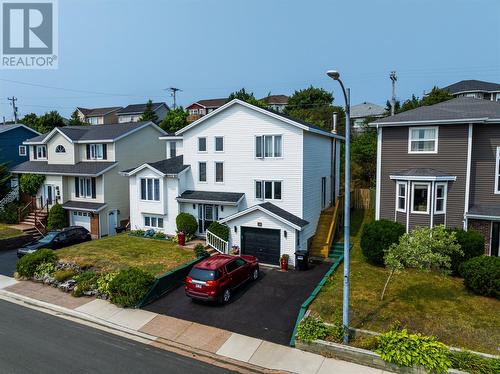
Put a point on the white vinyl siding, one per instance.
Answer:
(423, 140)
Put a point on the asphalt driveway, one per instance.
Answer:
(8, 261)
(265, 309)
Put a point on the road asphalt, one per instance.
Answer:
(35, 342)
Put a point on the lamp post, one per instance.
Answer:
(347, 203)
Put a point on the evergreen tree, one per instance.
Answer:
(248, 97)
(49, 121)
(75, 119)
(149, 114)
(31, 120)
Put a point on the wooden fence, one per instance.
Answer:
(363, 198)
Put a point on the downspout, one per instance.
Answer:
(433, 183)
(379, 171)
(467, 178)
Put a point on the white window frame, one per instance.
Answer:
(263, 189)
(85, 186)
(198, 145)
(444, 198)
(436, 140)
(263, 146)
(497, 172)
(22, 150)
(428, 184)
(96, 152)
(172, 148)
(206, 172)
(223, 144)
(60, 149)
(156, 219)
(43, 149)
(152, 197)
(93, 120)
(193, 111)
(405, 197)
(215, 172)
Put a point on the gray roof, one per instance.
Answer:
(170, 166)
(91, 168)
(485, 210)
(421, 172)
(287, 216)
(211, 196)
(84, 205)
(367, 109)
(461, 109)
(472, 85)
(97, 112)
(138, 108)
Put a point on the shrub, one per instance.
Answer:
(186, 223)
(412, 350)
(104, 281)
(9, 212)
(137, 232)
(472, 244)
(85, 282)
(482, 275)
(44, 268)
(377, 236)
(473, 363)
(130, 286)
(64, 274)
(31, 183)
(58, 217)
(200, 251)
(26, 265)
(159, 235)
(222, 231)
(311, 328)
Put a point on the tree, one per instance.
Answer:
(309, 98)
(423, 249)
(49, 121)
(4, 180)
(149, 114)
(175, 120)
(31, 183)
(248, 97)
(58, 217)
(409, 104)
(437, 95)
(364, 156)
(75, 119)
(31, 120)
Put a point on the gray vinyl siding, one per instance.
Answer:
(486, 139)
(451, 158)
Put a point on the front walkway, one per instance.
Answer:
(217, 342)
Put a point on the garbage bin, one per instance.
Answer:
(181, 237)
(301, 260)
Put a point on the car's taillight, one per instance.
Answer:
(189, 280)
(211, 283)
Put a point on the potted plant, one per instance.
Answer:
(235, 250)
(284, 262)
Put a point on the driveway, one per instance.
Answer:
(265, 309)
(8, 261)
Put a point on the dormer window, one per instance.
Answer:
(423, 140)
(60, 149)
(41, 152)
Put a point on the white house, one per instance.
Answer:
(265, 175)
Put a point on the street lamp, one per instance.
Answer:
(335, 75)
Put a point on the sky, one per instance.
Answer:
(120, 52)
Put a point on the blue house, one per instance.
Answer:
(12, 150)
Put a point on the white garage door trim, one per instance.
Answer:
(79, 218)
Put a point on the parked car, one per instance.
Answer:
(216, 277)
(57, 239)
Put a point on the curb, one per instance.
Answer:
(168, 345)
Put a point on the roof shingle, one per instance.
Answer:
(91, 168)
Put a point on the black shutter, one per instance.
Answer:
(88, 151)
(34, 152)
(77, 187)
(93, 188)
(104, 151)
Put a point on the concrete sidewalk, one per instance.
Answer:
(163, 331)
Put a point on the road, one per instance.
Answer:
(35, 342)
(8, 261)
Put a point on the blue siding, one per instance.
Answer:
(9, 145)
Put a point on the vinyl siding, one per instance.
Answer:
(67, 157)
(9, 145)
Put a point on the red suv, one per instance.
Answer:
(217, 276)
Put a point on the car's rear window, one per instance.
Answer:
(204, 274)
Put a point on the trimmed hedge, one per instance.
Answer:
(26, 265)
(222, 231)
(482, 275)
(58, 217)
(186, 223)
(378, 236)
(472, 244)
(130, 286)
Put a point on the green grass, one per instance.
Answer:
(423, 302)
(7, 232)
(123, 251)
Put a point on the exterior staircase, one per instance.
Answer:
(37, 220)
(325, 232)
(35, 234)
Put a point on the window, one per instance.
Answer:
(497, 172)
(96, 152)
(268, 146)
(60, 149)
(93, 120)
(219, 172)
(173, 149)
(423, 140)
(420, 198)
(202, 172)
(219, 144)
(41, 151)
(156, 222)
(193, 111)
(268, 190)
(440, 206)
(202, 144)
(22, 150)
(85, 188)
(150, 189)
(401, 196)
(258, 189)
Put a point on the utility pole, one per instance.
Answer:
(13, 99)
(393, 78)
(174, 92)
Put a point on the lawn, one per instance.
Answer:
(423, 302)
(123, 251)
(7, 232)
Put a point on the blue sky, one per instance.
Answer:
(119, 52)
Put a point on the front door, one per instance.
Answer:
(495, 239)
(112, 219)
(48, 195)
(207, 213)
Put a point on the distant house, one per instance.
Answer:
(98, 116)
(133, 112)
(12, 150)
(202, 107)
(277, 103)
(476, 89)
(360, 112)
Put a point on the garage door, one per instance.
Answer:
(261, 243)
(80, 219)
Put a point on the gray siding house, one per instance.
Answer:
(439, 164)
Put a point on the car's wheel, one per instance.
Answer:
(255, 274)
(226, 296)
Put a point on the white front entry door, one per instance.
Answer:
(79, 218)
(112, 219)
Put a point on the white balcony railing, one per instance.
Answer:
(217, 243)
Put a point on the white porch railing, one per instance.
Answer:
(10, 197)
(217, 243)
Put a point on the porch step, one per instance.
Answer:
(33, 232)
(322, 239)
